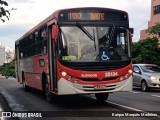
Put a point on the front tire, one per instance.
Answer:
(101, 97)
(48, 95)
(144, 86)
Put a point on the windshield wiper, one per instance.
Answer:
(87, 33)
(94, 39)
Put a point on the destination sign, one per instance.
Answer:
(92, 15)
(86, 16)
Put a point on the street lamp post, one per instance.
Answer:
(12, 9)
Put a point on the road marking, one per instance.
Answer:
(130, 108)
(127, 107)
(133, 92)
(144, 93)
(155, 95)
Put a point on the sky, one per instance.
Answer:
(31, 12)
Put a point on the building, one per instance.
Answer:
(6, 54)
(2, 54)
(9, 54)
(155, 17)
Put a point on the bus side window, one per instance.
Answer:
(43, 42)
(25, 48)
(21, 55)
(21, 48)
(36, 47)
(31, 45)
(36, 36)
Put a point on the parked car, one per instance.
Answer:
(146, 76)
(2, 77)
(10, 77)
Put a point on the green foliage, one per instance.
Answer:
(155, 29)
(146, 51)
(3, 12)
(8, 69)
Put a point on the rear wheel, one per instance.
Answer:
(101, 97)
(144, 86)
(25, 87)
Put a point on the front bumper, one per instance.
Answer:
(66, 87)
(154, 84)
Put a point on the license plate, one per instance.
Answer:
(99, 87)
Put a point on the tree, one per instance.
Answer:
(155, 29)
(8, 69)
(146, 51)
(3, 11)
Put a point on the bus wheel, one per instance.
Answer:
(101, 97)
(25, 87)
(48, 95)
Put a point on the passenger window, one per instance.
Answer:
(136, 70)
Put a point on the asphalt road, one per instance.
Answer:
(84, 107)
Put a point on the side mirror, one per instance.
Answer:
(137, 71)
(55, 32)
(131, 30)
(131, 36)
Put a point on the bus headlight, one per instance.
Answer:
(130, 71)
(63, 74)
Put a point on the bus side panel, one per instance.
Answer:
(29, 78)
(40, 65)
(26, 68)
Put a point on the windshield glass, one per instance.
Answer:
(150, 68)
(88, 43)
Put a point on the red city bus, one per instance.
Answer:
(77, 51)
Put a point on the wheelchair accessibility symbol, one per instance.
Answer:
(104, 57)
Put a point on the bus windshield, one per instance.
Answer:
(93, 43)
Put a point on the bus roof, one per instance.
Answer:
(56, 13)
